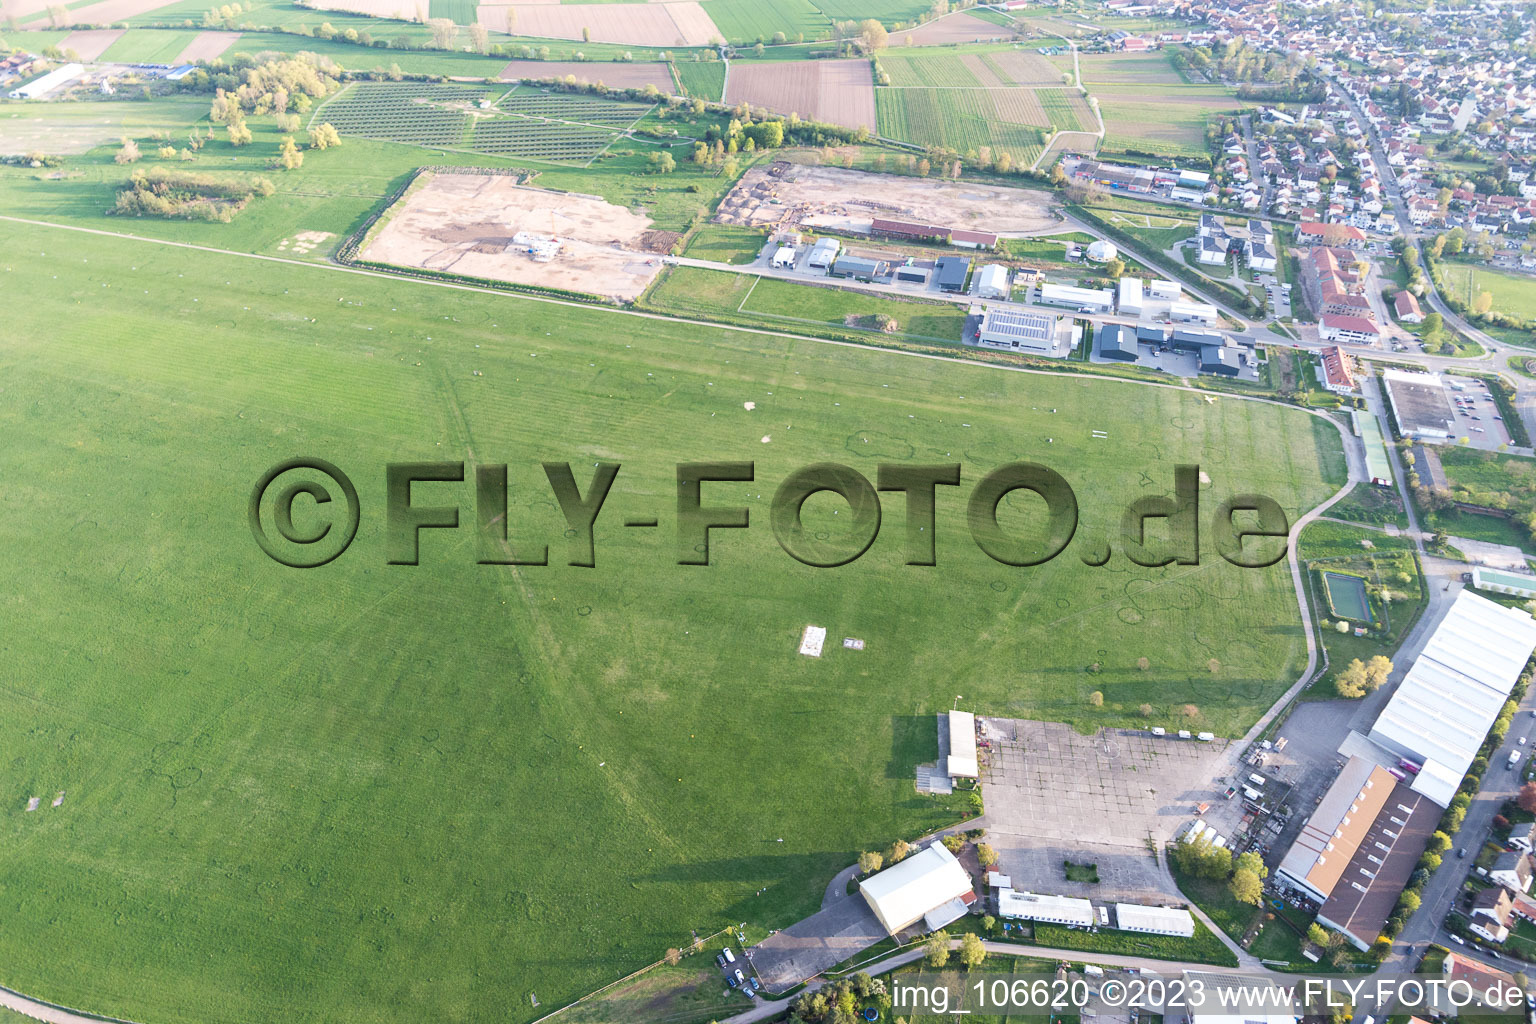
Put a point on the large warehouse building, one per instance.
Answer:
(1449, 699)
(1085, 298)
(1016, 331)
(1419, 402)
(1356, 851)
(929, 886)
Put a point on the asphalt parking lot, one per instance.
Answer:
(808, 947)
(1054, 795)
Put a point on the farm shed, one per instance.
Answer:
(968, 239)
(882, 228)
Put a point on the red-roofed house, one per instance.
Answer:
(1483, 981)
(1407, 308)
(1336, 375)
(1330, 234)
(1355, 329)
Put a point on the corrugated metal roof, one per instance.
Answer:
(925, 880)
(1450, 697)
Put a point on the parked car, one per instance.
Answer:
(739, 976)
(730, 957)
(1462, 853)
(1458, 940)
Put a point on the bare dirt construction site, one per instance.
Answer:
(658, 24)
(615, 76)
(831, 91)
(470, 224)
(836, 198)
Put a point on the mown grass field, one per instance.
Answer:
(1147, 107)
(701, 79)
(1512, 293)
(726, 244)
(690, 291)
(148, 46)
(750, 21)
(888, 12)
(373, 792)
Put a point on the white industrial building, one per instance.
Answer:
(1187, 312)
(1455, 690)
(823, 253)
(1133, 917)
(1516, 584)
(962, 746)
(784, 256)
(1019, 331)
(1067, 295)
(40, 87)
(1033, 906)
(928, 886)
(1164, 289)
(1130, 296)
(992, 282)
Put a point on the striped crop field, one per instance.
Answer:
(524, 123)
(1067, 109)
(963, 120)
(942, 70)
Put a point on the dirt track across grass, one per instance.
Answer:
(465, 224)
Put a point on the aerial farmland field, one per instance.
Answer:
(752, 21)
(1147, 107)
(359, 792)
(701, 79)
(835, 91)
(523, 123)
(960, 119)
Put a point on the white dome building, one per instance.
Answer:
(1102, 251)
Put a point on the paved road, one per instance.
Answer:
(766, 1009)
